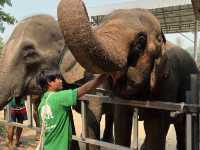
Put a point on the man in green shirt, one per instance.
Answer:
(55, 107)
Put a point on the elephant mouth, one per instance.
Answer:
(31, 86)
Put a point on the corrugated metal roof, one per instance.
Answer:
(176, 19)
(101, 9)
(173, 19)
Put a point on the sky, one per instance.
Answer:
(24, 8)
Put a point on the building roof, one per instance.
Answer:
(173, 19)
(176, 19)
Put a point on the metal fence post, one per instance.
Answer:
(194, 117)
(135, 129)
(8, 113)
(84, 129)
(198, 114)
(188, 129)
(29, 111)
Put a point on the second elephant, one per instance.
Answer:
(169, 81)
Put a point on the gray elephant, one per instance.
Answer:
(169, 81)
(124, 38)
(26, 53)
(130, 41)
(36, 44)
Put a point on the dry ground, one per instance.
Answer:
(30, 144)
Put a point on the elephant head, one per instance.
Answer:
(124, 38)
(36, 43)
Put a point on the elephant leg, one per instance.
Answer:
(180, 126)
(74, 144)
(94, 112)
(108, 131)
(36, 119)
(156, 125)
(123, 124)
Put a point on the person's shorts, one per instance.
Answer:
(18, 114)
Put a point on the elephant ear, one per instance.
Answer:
(164, 41)
(163, 37)
(161, 71)
(70, 69)
(29, 53)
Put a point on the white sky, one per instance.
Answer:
(24, 8)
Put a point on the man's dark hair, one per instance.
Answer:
(46, 76)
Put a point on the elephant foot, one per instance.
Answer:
(75, 145)
(143, 147)
(108, 139)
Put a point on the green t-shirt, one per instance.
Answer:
(58, 130)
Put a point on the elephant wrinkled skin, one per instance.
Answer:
(37, 44)
(27, 52)
(169, 81)
(123, 34)
(127, 41)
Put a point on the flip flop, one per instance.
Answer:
(11, 147)
(19, 145)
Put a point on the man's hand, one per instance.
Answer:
(91, 85)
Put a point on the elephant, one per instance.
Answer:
(37, 44)
(169, 81)
(130, 43)
(112, 45)
(125, 38)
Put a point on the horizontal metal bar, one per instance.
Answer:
(7, 123)
(103, 91)
(169, 106)
(85, 140)
(100, 143)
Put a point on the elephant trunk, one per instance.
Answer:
(139, 76)
(5, 95)
(10, 85)
(11, 77)
(98, 51)
(6, 90)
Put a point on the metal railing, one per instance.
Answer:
(191, 108)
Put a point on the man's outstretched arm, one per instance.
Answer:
(91, 85)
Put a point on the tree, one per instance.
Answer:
(4, 16)
(1, 44)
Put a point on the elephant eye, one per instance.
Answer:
(159, 38)
(30, 54)
(28, 50)
(137, 48)
(139, 44)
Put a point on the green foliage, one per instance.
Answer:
(1, 44)
(3, 2)
(4, 16)
(2, 131)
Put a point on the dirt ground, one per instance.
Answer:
(29, 143)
